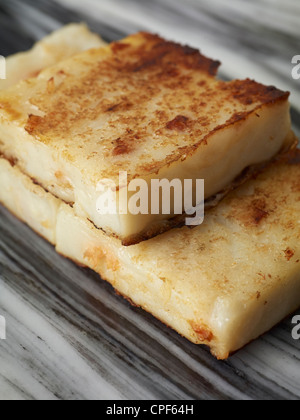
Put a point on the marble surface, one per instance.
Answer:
(68, 335)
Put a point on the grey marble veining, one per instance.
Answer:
(68, 335)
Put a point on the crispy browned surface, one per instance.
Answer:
(139, 104)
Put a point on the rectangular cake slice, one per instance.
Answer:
(222, 284)
(61, 44)
(145, 106)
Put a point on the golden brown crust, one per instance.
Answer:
(10, 110)
(143, 94)
(248, 92)
(32, 123)
(95, 254)
(165, 57)
(12, 161)
(257, 209)
(289, 253)
(203, 332)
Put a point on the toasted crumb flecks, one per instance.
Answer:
(136, 105)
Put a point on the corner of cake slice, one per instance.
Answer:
(61, 44)
(145, 106)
